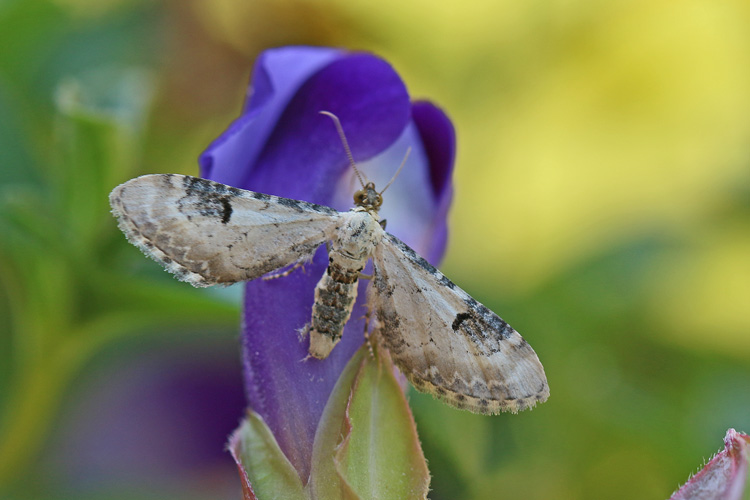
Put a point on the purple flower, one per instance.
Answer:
(281, 145)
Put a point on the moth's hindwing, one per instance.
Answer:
(208, 233)
(447, 343)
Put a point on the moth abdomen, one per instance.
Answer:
(342, 275)
(334, 299)
(336, 291)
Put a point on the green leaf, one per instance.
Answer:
(325, 478)
(366, 446)
(264, 469)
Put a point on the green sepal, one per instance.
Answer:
(265, 471)
(366, 446)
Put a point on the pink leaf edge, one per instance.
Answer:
(724, 477)
(233, 447)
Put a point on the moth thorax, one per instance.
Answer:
(357, 237)
(368, 198)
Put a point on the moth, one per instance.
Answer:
(445, 342)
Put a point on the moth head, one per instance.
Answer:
(368, 198)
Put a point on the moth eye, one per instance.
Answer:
(379, 200)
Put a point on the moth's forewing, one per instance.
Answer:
(208, 233)
(447, 343)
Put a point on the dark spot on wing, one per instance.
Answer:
(207, 198)
(303, 206)
(227, 213)
(460, 318)
(421, 262)
(492, 320)
(288, 202)
(438, 380)
(521, 346)
(322, 209)
(446, 282)
(260, 196)
(167, 180)
(194, 185)
(381, 285)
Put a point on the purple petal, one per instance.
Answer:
(277, 76)
(289, 393)
(303, 157)
(414, 211)
(300, 156)
(286, 387)
(439, 139)
(724, 477)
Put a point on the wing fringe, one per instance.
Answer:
(476, 404)
(149, 249)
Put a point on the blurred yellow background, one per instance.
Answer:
(581, 125)
(602, 207)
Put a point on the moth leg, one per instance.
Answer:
(367, 317)
(284, 274)
(303, 332)
(368, 338)
(365, 276)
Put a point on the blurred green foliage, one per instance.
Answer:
(602, 208)
(69, 286)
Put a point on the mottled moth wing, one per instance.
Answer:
(207, 233)
(447, 343)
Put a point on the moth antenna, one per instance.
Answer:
(403, 162)
(340, 130)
